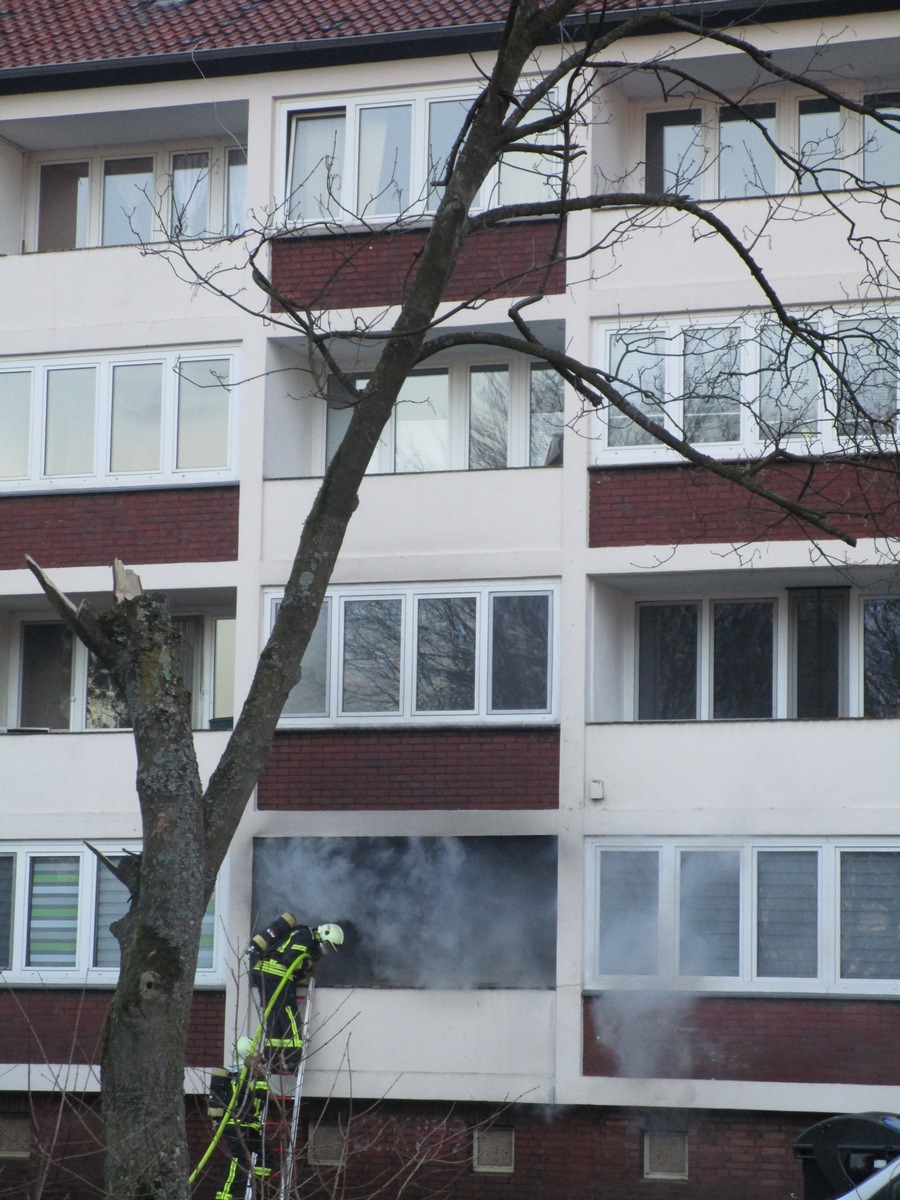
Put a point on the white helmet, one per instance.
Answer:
(332, 934)
(243, 1048)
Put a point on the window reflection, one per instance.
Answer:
(445, 654)
(371, 660)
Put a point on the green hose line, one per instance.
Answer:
(243, 1075)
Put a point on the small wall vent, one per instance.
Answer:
(327, 1145)
(665, 1155)
(493, 1151)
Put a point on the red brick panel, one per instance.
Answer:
(783, 1039)
(356, 270)
(412, 768)
(669, 505)
(60, 1025)
(567, 1152)
(141, 526)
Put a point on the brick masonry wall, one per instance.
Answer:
(666, 505)
(571, 1153)
(61, 1025)
(66, 1161)
(778, 1039)
(355, 270)
(392, 768)
(140, 526)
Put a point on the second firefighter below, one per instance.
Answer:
(283, 957)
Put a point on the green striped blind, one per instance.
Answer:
(52, 912)
(112, 903)
(7, 877)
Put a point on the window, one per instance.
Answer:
(115, 199)
(378, 159)
(821, 123)
(63, 687)
(428, 654)
(161, 417)
(475, 417)
(803, 915)
(674, 151)
(740, 382)
(494, 1151)
(665, 1155)
(56, 904)
(722, 659)
(881, 146)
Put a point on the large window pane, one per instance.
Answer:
(203, 414)
(712, 385)
(445, 121)
(104, 706)
(637, 368)
(528, 178)
(546, 400)
(422, 423)
(384, 160)
(743, 653)
(112, 903)
(15, 423)
(787, 905)
(667, 662)
(629, 912)
(488, 417)
(309, 697)
(869, 362)
(818, 626)
(372, 646)
(190, 194)
(64, 206)
(46, 676)
(128, 199)
(788, 384)
(870, 915)
(674, 152)
(881, 146)
(881, 637)
(7, 882)
(709, 912)
(520, 653)
(820, 145)
(136, 433)
(52, 912)
(69, 438)
(445, 654)
(747, 158)
(317, 163)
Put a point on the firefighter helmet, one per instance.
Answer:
(243, 1047)
(332, 934)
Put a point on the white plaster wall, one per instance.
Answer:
(455, 524)
(495, 1046)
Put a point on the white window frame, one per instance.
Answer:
(822, 437)
(162, 154)
(828, 980)
(171, 361)
(459, 373)
(83, 973)
(787, 135)
(852, 651)
(408, 595)
(203, 689)
(352, 104)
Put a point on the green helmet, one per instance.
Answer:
(332, 934)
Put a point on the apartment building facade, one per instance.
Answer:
(593, 755)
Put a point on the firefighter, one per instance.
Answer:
(282, 958)
(237, 1098)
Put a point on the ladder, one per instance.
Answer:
(288, 1159)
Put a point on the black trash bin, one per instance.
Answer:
(841, 1152)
